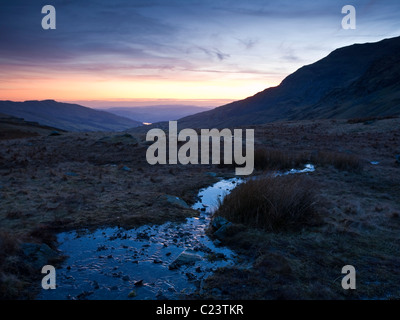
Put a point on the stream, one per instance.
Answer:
(112, 263)
(167, 261)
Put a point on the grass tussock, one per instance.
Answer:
(10, 265)
(285, 203)
(341, 161)
(275, 159)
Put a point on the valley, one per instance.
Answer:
(75, 181)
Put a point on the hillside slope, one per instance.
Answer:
(355, 81)
(14, 128)
(70, 117)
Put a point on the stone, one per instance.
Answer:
(221, 232)
(211, 174)
(132, 294)
(220, 225)
(186, 258)
(84, 295)
(142, 236)
(96, 285)
(217, 242)
(138, 283)
(176, 201)
(38, 254)
(191, 276)
(161, 296)
(218, 222)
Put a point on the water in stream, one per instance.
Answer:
(111, 263)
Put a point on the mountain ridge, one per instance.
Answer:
(302, 94)
(157, 113)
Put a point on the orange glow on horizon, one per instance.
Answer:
(86, 88)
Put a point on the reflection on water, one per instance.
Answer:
(307, 168)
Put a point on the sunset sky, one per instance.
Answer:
(199, 52)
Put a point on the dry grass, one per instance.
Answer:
(12, 269)
(279, 159)
(8, 245)
(341, 161)
(272, 204)
(276, 159)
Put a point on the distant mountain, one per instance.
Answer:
(152, 114)
(70, 117)
(360, 80)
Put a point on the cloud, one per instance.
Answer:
(160, 39)
(210, 52)
(248, 43)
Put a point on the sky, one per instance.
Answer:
(145, 52)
